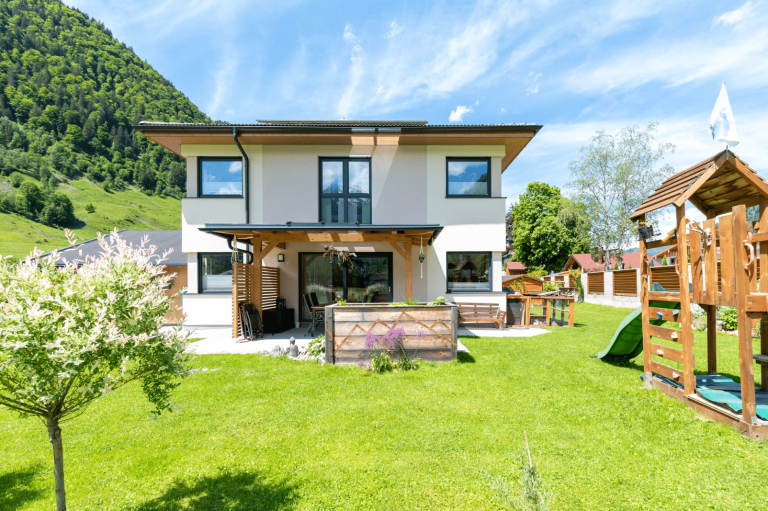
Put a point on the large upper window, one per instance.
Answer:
(215, 273)
(468, 177)
(220, 177)
(469, 271)
(345, 190)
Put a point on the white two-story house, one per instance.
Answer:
(420, 206)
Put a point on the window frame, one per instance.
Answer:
(200, 290)
(448, 161)
(345, 179)
(201, 159)
(467, 291)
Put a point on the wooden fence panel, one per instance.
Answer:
(596, 283)
(666, 276)
(241, 293)
(625, 282)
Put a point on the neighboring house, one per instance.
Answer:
(528, 283)
(515, 268)
(280, 192)
(164, 241)
(585, 263)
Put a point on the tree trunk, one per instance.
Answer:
(54, 434)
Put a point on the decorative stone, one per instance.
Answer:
(276, 351)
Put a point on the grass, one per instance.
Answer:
(128, 209)
(262, 433)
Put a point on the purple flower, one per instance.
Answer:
(421, 334)
(361, 364)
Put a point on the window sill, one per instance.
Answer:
(216, 197)
(472, 197)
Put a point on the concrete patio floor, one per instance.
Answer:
(219, 340)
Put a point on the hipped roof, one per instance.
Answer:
(714, 186)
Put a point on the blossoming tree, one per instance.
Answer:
(71, 333)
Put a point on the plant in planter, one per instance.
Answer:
(391, 343)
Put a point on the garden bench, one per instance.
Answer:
(482, 313)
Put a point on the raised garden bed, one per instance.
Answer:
(430, 330)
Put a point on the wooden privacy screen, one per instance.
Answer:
(625, 282)
(596, 283)
(270, 287)
(666, 276)
(241, 290)
(179, 282)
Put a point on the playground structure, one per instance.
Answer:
(723, 271)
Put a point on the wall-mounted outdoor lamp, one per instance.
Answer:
(280, 258)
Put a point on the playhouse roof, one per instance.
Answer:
(714, 185)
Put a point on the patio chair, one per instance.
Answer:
(252, 327)
(316, 312)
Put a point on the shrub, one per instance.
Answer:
(729, 317)
(58, 211)
(16, 179)
(391, 343)
(316, 346)
(29, 199)
(89, 208)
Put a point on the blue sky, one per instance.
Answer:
(574, 67)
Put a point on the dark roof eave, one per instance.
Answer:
(216, 228)
(245, 128)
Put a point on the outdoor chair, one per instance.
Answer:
(316, 312)
(250, 320)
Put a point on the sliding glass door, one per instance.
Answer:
(368, 279)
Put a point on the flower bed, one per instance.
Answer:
(429, 331)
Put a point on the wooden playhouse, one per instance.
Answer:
(723, 270)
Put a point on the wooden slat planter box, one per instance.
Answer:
(346, 326)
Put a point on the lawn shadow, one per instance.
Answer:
(239, 491)
(465, 358)
(15, 491)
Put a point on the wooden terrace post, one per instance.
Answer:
(571, 308)
(408, 268)
(235, 300)
(256, 277)
(644, 272)
(689, 378)
(746, 366)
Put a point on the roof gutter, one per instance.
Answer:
(246, 180)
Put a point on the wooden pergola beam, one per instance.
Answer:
(398, 249)
(268, 249)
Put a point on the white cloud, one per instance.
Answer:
(734, 17)
(394, 29)
(533, 88)
(458, 114)
(346, 105)
(223, 77)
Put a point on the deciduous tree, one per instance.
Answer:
(69, 335)
(613, 176)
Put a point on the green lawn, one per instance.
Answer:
(262, 433)
(128, 209)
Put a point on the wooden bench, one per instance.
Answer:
(482, 313)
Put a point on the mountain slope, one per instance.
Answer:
(69, 93)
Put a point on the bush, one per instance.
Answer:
(729, 317)
(58, 211)
(316, 346)
(89, 208)
(16, 179)
(29, 199)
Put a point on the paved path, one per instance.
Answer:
(219, 340)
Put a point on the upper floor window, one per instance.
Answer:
(468, 177)
(345, 190)
(220, 177)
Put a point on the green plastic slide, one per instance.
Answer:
(627, 342)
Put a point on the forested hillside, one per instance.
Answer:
(69, 93)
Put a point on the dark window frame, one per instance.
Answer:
(345, 178)
(201, 159)
(448, 161)
(200, 290)
(490, 273)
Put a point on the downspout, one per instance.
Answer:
(246, 193)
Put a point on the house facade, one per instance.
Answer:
(418, 208)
